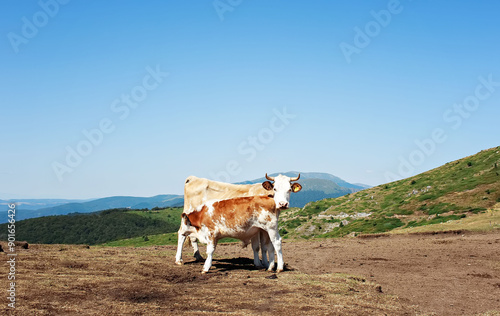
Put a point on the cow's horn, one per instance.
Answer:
(269, 178)
(295, 179)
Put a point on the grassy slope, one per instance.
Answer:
(486, 221)
(451, 192)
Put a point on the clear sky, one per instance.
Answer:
(102, 98)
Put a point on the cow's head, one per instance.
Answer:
(282, 188)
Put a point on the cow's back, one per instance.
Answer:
(197, 191)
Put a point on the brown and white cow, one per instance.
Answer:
(240, 218)
(198, 191)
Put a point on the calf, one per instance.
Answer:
(242, 218)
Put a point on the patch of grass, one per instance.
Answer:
(398, 211)
(477, 210)
(293, 223)
(438, 208)
(487, 221)
(435, 220)
(428, 196)
(153, 240)
(315, 208)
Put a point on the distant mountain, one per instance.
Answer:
(35, 204)
(312, 175)
(99, 205)
(315, 186)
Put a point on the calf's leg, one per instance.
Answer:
(210, 251)
(180, 242)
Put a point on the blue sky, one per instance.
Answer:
(131, 97)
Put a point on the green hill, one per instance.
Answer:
(456, 190)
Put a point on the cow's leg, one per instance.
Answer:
(276, 241)
(265, 244)
(255, 248)
(267, 248)
(180, 242)
(196, 250)
(210, 251)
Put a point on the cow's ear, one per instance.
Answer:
(296, 187)
(267, 185)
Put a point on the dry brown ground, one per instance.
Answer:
(443, 274)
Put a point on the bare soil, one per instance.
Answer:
(432, 274)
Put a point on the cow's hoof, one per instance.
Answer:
(204, 272)
(179, 263)
(279, 270)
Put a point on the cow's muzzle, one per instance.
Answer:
(283, 205)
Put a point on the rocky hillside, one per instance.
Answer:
(456, 190)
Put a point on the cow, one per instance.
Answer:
(197, 191)
(245, 218)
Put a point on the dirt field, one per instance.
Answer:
(443, 274)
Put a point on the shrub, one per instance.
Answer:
(411, 223)
(397, 211)
(439, 208)
(477, 210)
(292, 224)
(436, 220)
